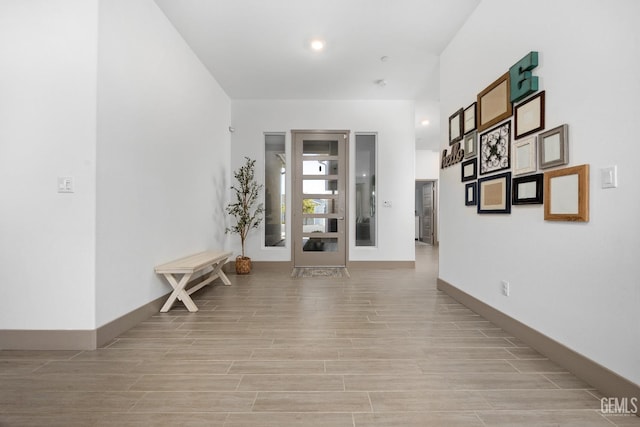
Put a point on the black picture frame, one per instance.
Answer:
(494, 194)
(469, 170)
(456, 126)
(470, 193)
(494, 152)
(524, 194)
(528, 116)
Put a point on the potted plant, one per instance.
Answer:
(247, 215)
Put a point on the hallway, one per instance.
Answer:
(382, 348)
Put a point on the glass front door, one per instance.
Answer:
(319, 198)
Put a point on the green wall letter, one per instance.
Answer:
(522, 82)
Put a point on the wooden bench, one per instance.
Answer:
(187, 267)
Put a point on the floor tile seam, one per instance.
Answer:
(461, 390)
(479, 418)
(226, 418)
(74, 357)
(37, 368)
(255, 399)
(535, 411)
(479, 413)
(131, 407)
(593, 393)
(538, 372)
(610, 420)
(425, 411)
(370, 402)
(306, 375)
(553, 382)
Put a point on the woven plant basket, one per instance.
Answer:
(243, 265)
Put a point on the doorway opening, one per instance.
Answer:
(426, 212)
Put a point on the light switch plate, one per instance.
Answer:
(65, 184)
(386, 204)
(609, 177)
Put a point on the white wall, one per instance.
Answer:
(394, 123)
(427, 164)
(577, 283)
(163, 154)
(47, 129)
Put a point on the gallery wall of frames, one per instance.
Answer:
(510, 154)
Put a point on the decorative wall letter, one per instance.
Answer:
(523, 83)
(456, 156)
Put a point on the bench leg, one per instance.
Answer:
(217, 271)
(178, 293)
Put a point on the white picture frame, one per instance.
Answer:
(525, 159)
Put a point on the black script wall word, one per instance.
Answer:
(456, 156)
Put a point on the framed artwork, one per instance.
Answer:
(470, 191)
(469, 118)
(494, 103)
(469, 170)
(495, 149)
(566, 194)
(553, 147)
(528, 190)
(455, 127)
(469, 145)
(494, 194)
(529, 116)
(525, 158)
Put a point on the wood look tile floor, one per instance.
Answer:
(381, 348)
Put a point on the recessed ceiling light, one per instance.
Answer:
(381, 82)
(317, 45)
(425, 122)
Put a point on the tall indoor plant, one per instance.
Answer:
(245, 210)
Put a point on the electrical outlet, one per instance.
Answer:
(505, 288)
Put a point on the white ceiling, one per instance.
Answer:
(259, 49)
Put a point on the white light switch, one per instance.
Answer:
(609, 176)
(386, 204)
(65, 184)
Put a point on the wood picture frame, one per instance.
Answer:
(494, 151)
(469, 118)
(528, 190)
(566, 194)
(455, 126)
(494, 194)
(469, 170)
(494, 104)
(470, 193)
(525, 156)
(553, 147)
(470, 145)
(529, 116)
